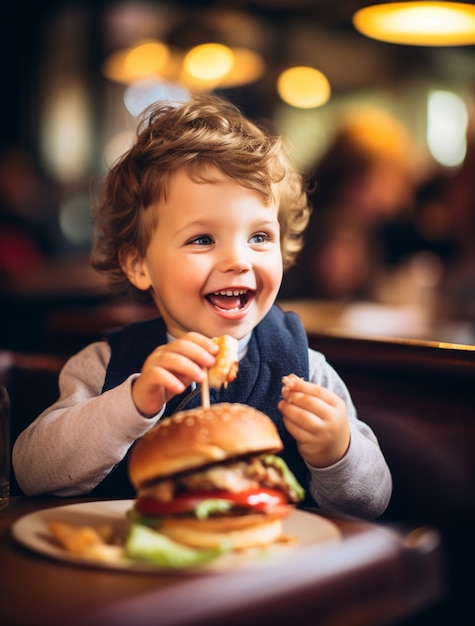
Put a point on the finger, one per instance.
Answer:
(176, 364)
(304, 407)
(296, 416)
(203, 352)
(303, 416)
(297, 432)
(293, 384)
(201, 340)
(161, 377)
(312, 400)
(172, 354)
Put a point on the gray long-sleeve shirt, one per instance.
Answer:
(76, 442)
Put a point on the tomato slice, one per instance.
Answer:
(256, 499)
(260, 500)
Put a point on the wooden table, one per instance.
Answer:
(375, 575)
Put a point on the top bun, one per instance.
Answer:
(198, 437)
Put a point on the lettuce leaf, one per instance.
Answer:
(279, 463)
(147, 545)
(212, 505)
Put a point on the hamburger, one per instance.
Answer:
(210, 476)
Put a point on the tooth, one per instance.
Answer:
(230, 292)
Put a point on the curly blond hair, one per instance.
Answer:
(204, 132)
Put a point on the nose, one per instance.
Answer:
(236, 258)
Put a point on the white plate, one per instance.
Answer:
(308, 529)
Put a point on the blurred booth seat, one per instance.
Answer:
(68, 329)
(374, 319)
(27, 305)
(418, 397)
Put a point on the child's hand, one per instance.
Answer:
(317, 419)
(170, 369)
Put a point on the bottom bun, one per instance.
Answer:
(250, 531)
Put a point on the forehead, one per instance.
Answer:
(190, 185)
(198, 183)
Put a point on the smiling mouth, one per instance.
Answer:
(229, 299)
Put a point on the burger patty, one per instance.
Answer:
(235, 477)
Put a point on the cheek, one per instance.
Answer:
(183, 276)
(278, 262)
(274, 269)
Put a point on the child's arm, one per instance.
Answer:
(75, 442)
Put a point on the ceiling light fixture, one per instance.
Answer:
(418, 23)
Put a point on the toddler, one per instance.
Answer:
(203, 214)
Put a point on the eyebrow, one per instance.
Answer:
(207, 223)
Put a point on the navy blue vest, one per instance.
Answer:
(278, 346)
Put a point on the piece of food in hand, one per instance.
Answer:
(209, 477)
(225, 369)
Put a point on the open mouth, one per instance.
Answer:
(230, 299)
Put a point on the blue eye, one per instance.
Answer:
(259, 238)
(201, 240)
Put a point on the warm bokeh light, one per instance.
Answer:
(418, 23)
(208, 62)
(203, 67)
(303, 87)
(113, 67)
(248, 66)
(143, 60)
(146, 59)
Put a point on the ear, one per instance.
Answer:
(135, 269)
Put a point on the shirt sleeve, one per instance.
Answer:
(76, 442)
(360, 483)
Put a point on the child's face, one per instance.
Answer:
(214, 263)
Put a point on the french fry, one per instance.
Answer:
(86, 541)
(105, 552)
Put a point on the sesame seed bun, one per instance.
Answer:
(198, 437)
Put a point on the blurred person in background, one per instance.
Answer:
(29, 230)
(39, 270)
(457, 293)
(362, 224)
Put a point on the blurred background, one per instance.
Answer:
(383, 131)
